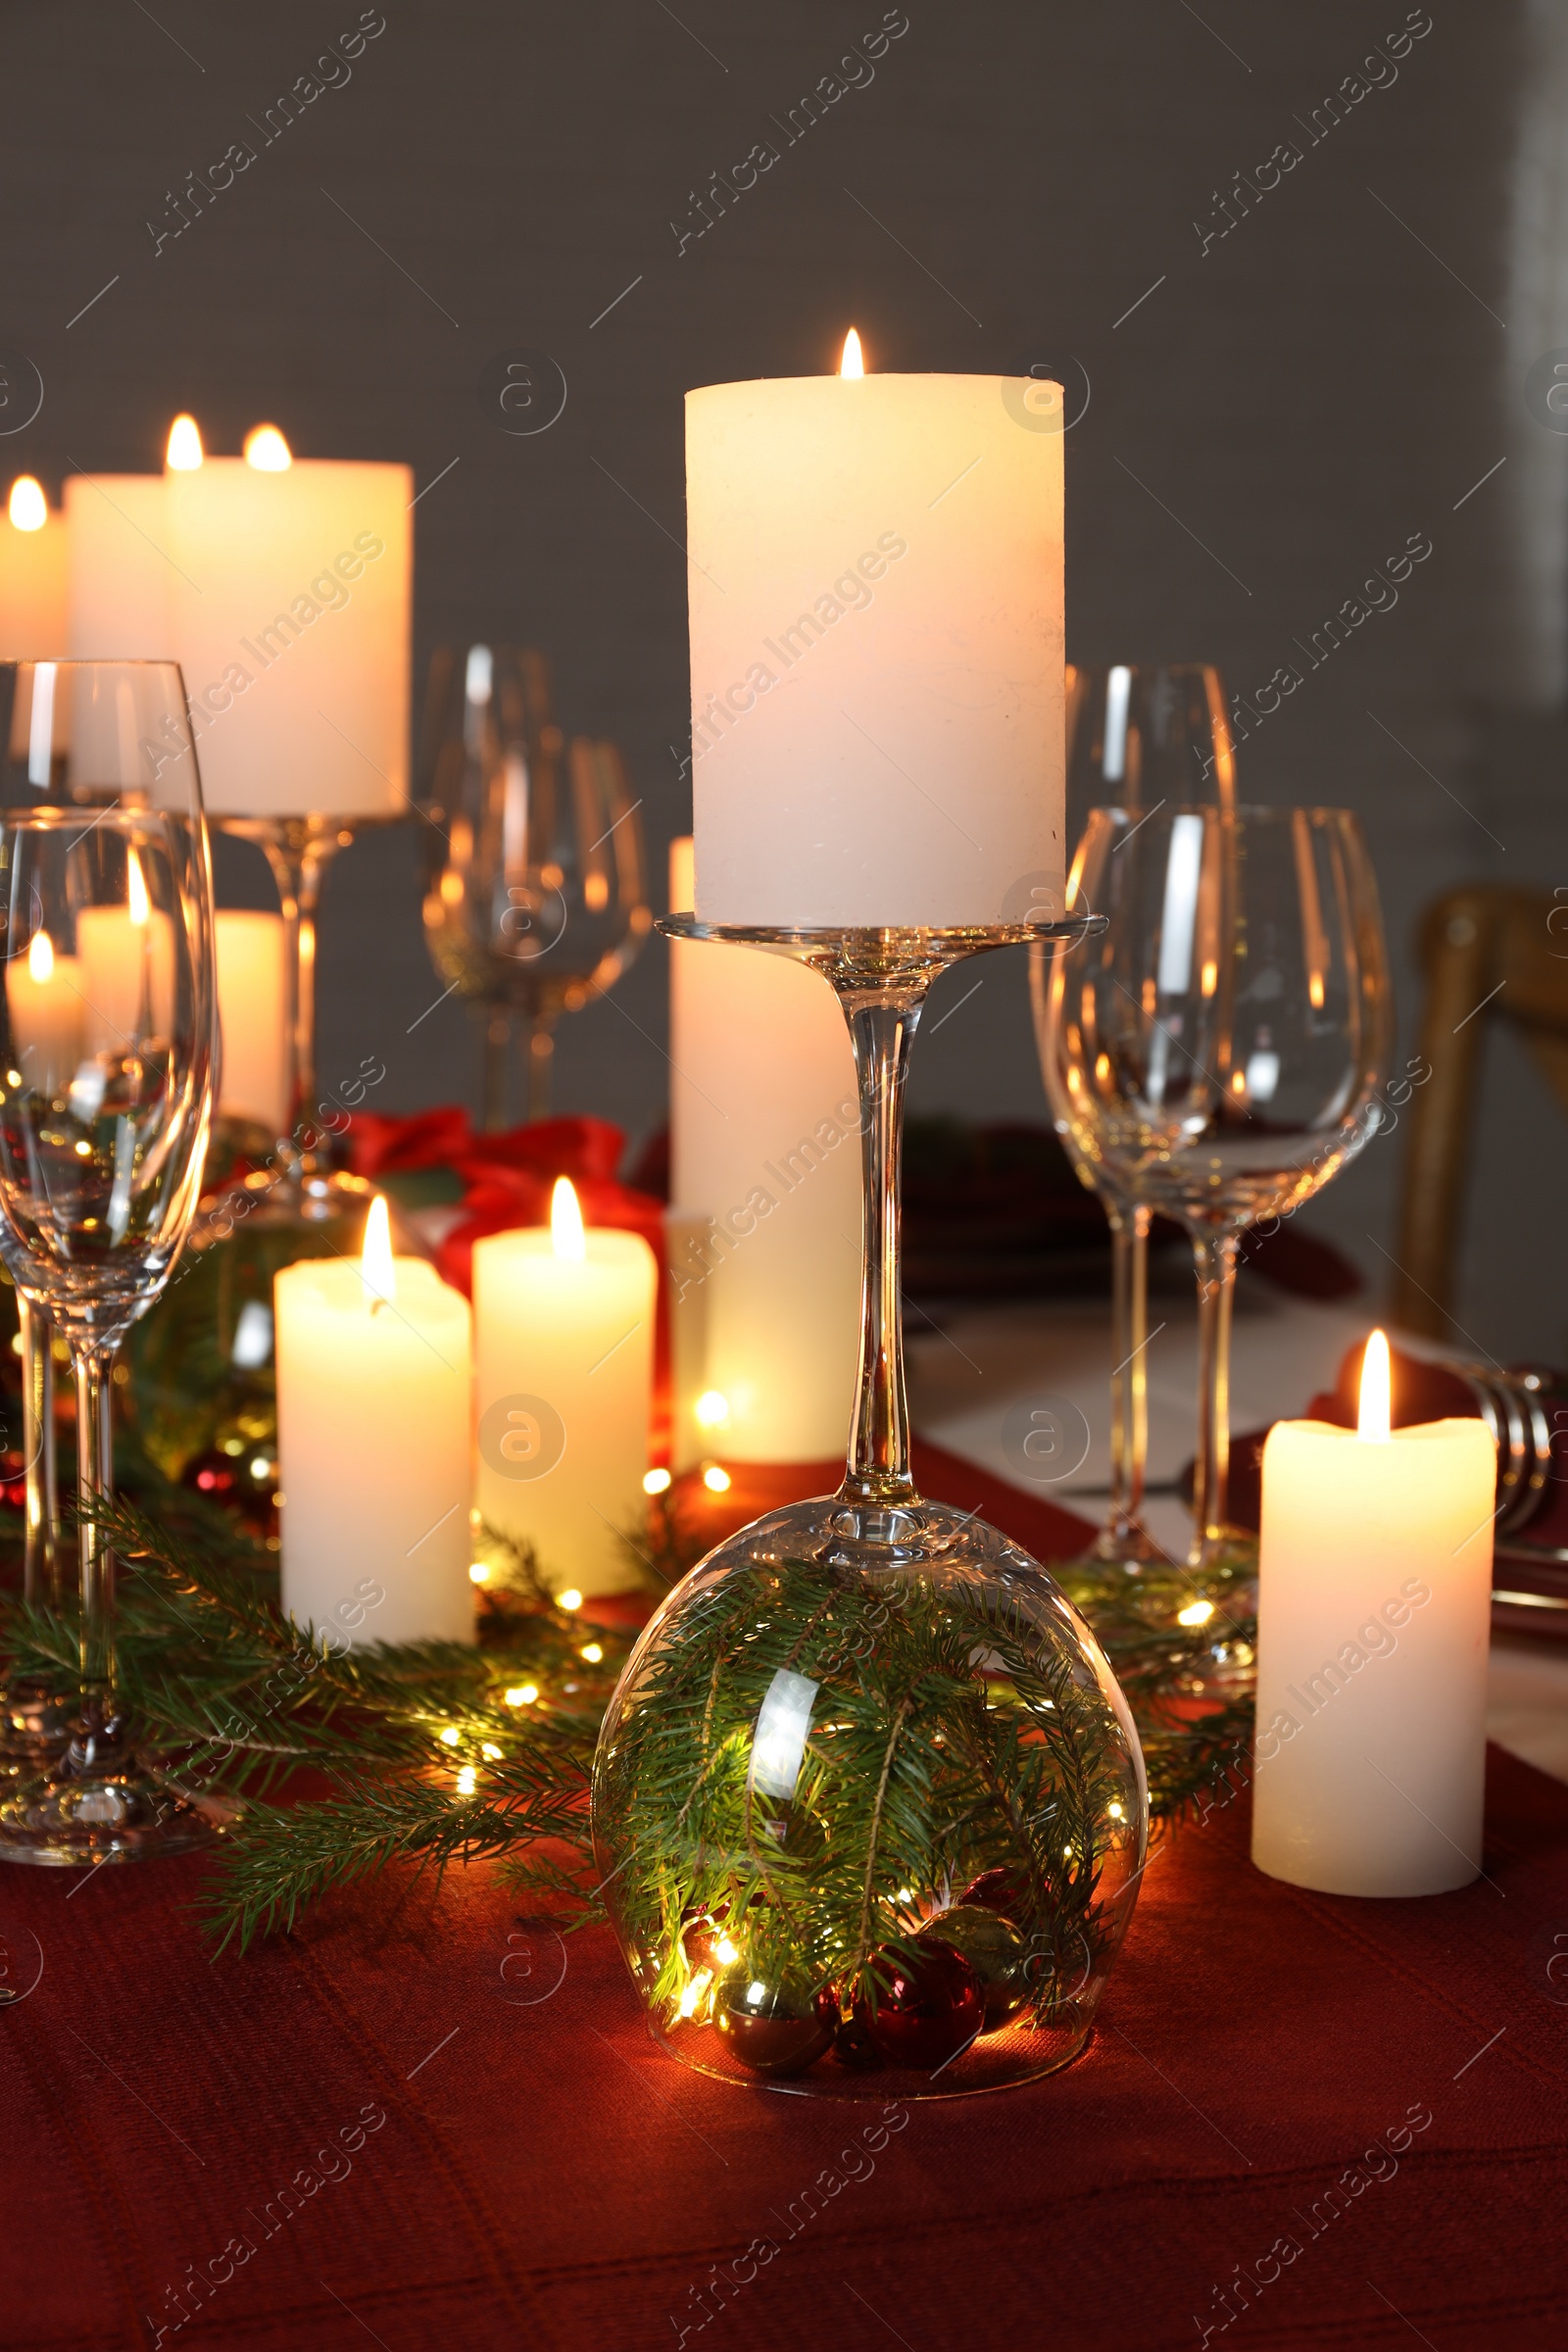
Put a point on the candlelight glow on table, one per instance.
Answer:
(564, 1365)
(374, 1444)
(1374, 1608)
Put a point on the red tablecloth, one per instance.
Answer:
(1362, 2104)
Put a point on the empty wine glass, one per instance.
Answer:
(1219, 1044)
(107, 1061)
(1143, 738)
(535, 901)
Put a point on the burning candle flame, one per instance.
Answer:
(376, 1268)
(853, 359)
(41, 958)
(1373, 1423)
(184, 451)
(266, 450)
(566, 1238)
(28, 510)
(136, 889)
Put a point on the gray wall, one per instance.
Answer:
(1278, 415)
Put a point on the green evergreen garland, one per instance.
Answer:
(433, 1753)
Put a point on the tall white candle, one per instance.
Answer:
(764, 1132)
(1375, 1585)
(875, 583)
(35, 570)
(252, 1016)
(291, 606)
(121, 568)
(564, 1384)
(373, 1377)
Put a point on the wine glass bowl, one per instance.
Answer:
(535, 898)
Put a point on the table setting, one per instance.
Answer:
(625, 1796)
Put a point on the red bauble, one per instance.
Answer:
(927, 2008)
(1003, 1889)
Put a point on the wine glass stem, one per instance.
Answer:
(881, 1030)
(496, 1047)
(40, 1559)
(95, 1485)
(1215, 1254)
(1129, 1387)
(539, 1055)
(296, 861)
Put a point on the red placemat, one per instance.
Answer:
(436, 2123)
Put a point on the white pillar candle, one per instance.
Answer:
(689, 1439)
(563, 1385)
(764, 1134)
(121, 568)
(251, 1012)
(876, 582)
(127, 957)
(35, 570)
(44, 1002)
(1375, 1586)
(373, 1379)
(291, 609)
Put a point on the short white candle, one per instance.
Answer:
(564, 1366)
(875, 583)
(765, 1140)
(373, 1384)
(35, 570)
(1375, 1585)
(122, 569)
(291, 606)
(44, 1002)
(251, 1014)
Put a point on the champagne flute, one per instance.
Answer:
(535, 901)
(1219, 1045)
(1143, 738)
(109, 1056)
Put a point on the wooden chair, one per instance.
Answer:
(1489, 952)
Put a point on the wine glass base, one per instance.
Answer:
(34, 1728)
(1129, 1546)
(72, 1821)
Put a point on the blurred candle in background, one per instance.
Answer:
(35, 571)
(128, 968)
(251, 1012)
(1374, 1618)
(122, 567)
(765, 1142)
(291, 606)
(563, 1389)
(876, 580)
(374, 1375)
(43, 999)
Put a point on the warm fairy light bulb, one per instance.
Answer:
(1197, 1612)
(593, 1651)
(266, 450)
(711, 1409)
(465, 1781)
(1209, 978)
(184, 451)
(656, 1482)
(853, 359)
(715, 1480)
(1373, 1421)
(724, 1950)
(29, 508)
(478, 1573)
(451, 1736)
(521, 1694)
(566, 1223)
(488, 1748)
(570, 1599)
(41, 957)
(377, 1269)
(136, 890)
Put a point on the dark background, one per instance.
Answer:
(1273, 420)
